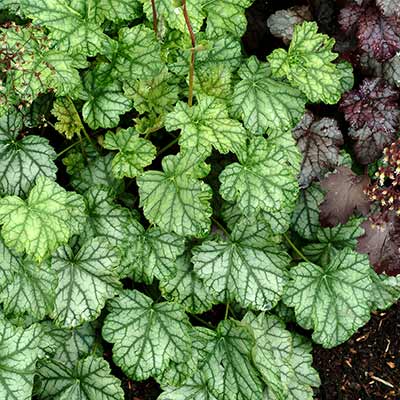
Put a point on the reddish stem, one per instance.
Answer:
(155, 20)
(192, 52)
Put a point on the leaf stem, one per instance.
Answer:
(204, 322)
(155, 20)
(170, 144)
(220, 226)
(192, 52)
(293, 246)
(226, 311)
(69, 147)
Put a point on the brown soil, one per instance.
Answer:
(365, 367)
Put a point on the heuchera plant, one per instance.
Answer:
(150, 171)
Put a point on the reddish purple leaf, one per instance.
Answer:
(381, 242)
(349, 17)
(319, 141)
(373, 113)
(345, 195)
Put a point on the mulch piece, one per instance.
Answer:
(365, 367)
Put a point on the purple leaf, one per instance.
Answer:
(319, 142)
(373, 114)
(389, 7)
(381, 242)
(345, 195)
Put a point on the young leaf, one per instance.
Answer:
(105, 101)
(146, 335)
(308, 64)
(206, 125)
(86, 280)
(319, 142)
(134, 153)
(68, 120)
(175, 199)
(90, 379)
(187, 288)
(22, 161)
(345, 195)
(261, 181)
(248, 267)
(263, 102)
(19, 350)
(227, 17)
(372, 112)
(305, 219)
(47, 219)
(334, 300)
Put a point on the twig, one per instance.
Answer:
(375, 378)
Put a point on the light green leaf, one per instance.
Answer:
(151, 253)
(89, 379)
(138, 54)
(308, 65)
(333, 239)
(86, 280)
(263, 102)
(226, 17)
(22, 160)
(19, 350)
(119, 9)
(386, 290)
(187, 288)
(213, 80)
(134, 152)
(206, 125)
(28, 288)
(175, 199)
(172, 12)
(248, 268)
(68, 120)
(47, 219)
(146, 336)
(157, 94)
(260, 181)
(305, 219)
(104, 99)
(334, 300)
(72, 25)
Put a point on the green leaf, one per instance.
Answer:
(333, 239)
(175, 199)
(157, 94)
(47, 219)
(333, 300)
(206, 125)
(172, 13)
(146, 336)
(263, 102)
(187, 288)
(261, 181)
(151, 253)
(134, 153)
(308, 65)
(19, 350)
(28, 287)
(104, 217)
(72, 26)
(104, 99)
(305, 220)
(227, 17)
(283, 359)
(386, 290)
(89, 379)
(248, 268)
(87, 279)
(22, 160)
(68, 120)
